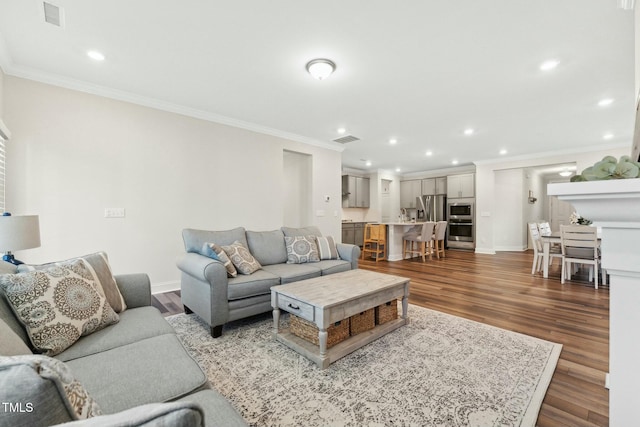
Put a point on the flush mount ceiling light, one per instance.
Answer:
(95, 55)
(320, 68)
(549, 65)
(605, 102)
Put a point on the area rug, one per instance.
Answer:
(439, 370)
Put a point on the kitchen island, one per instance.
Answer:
(395, 231)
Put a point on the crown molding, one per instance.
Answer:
(554, 153)
(28, 73)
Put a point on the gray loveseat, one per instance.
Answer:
(207, 291)
(130, 368)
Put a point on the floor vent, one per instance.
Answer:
(52, 14)
(346, 138)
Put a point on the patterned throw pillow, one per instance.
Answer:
(301, 249)
(79, 404)
(327, 247)
(58, 305)
(214, 251)
(241, 258)
(100, 264)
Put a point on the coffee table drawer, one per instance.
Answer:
(299, 308)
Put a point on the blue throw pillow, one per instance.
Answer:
(208, 251)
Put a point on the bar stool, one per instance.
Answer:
(422, 241)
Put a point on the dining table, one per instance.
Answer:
(547, 241)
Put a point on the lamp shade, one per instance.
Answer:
(19, 232)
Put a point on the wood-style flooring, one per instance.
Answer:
(499, 290)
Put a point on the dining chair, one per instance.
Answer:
(538, 252)
(580, 246)
(375, 241)
(545, 228)
(419, 244)
(438, 238)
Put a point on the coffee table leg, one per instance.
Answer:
(405, 301)
(322, 335)
(276, 321)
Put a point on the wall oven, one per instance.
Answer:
(461, 229)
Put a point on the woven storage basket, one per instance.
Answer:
(386, 312)
(362, 322)
(336, 333)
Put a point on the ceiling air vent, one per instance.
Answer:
(346, 138)
(52, 14)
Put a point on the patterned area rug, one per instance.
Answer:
(440, 370)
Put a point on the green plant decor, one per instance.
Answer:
(610, 168)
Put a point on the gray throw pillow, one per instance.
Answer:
(327, 248)
(45, 390)
(241, 258)
(58, 305)
(301, 249)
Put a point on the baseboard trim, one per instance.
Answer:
(510, 249)
(486, 251)
(160, 288)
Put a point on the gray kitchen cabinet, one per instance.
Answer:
(409, 190)
(359, 234)
(459, 186)
(353, 233)
(355, 192)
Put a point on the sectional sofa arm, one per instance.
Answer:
(204, 269)
(349, 253)
(135, 289)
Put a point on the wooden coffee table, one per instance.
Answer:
(328, 299)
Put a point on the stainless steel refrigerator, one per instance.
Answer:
(432, 208)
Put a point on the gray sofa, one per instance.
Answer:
(130, 368)
(207, 291)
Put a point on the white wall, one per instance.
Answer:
(296, 185)
(509, 210)
(488, 198)
(74, 154)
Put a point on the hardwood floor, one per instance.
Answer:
(499, 290)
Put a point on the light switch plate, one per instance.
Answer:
(114, 212)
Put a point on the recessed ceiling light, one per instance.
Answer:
(393, 141)
(454, 162)
(607, 136)
(549, 65)
(321, 68)
(398, 169)
(469, 131)
(341, 130)
(605, 102)
(565, 173)
(368, 163)
(95, 55)
(503, 152)
(429, 153)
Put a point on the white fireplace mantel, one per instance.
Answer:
(614, 205)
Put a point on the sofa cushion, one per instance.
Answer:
(241, 258)
(331, 266)
(173, 414)
(258, 283)
(135, 324)
(194, 239)
(310, 230)
(58, 304)
(301, 249)
(10, 343)
(214, 251)
(137, 373)
(293, 272)
(326, 247)
(267, 246)
(217, 409)
(100, 264)
(46, 390)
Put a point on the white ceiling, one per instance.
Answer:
(420, 71)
